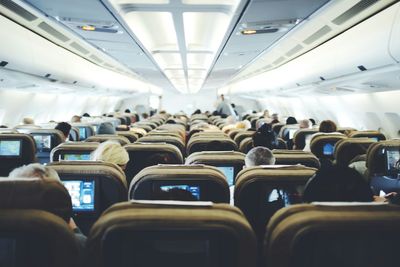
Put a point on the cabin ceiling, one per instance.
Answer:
(111, 26)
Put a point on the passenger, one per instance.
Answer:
(145, 115)
(111, 152)
(127, 110)
(274, 118)
(291, 120)
(266, 114)
(28, 121)
(36, 170)
(76, 119)
(85, 115)
(197, 111)
(326, 126)
(3, 126)
(265, 137)
(224, 107)
(337, 184)
(106, 128)
(65, 128)
(312, 121)
(259, 156)
(304, 124)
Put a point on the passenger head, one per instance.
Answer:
(259, 156)
(145, 115)
(327, 126)
(106, 128)
(265, 137)
(340, 184)
(65, 128)
(127, 110)
(304, 124)
(312, 121)
(197, 111)
(111, 152)
(291, 120)
(35, 170)
(28, 121)
(85, 115)
(275, 116)
(266, 113)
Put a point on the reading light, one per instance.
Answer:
(248, 32)
(88, 28)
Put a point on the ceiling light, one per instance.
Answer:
(248, 32)
(88, 28)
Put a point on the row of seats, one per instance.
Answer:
(139, 233)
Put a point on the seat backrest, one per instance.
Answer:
(173, 140)
(46, 140)
(229, 162)
(73, 134)
(100, 138)
(233, 132)
(377, 136)
(73, 151)
(346, 130)
(293, 157)
(262, 190)
(142, 155)
(85, 130)
(333, 235)
(197, 144)
(276, 127)
(16, 149)
(347, 149)
(383, 163)
(303, 136)
(132, 137)
(323, 146)
(172, 234)
(33, 224)
(242, 135)
(204, 183)
(287, 131)
(246, 144)
(94, 186)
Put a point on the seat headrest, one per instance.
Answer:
(38, 194)
(376, 157)
(205, 157)
(319, 141)
(293, 157)
(105, 137)
(347, 149)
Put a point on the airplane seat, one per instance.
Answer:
(242, 135)
(276, 127)
(383, 163)
(8, 131)
(346, 130)
(25, 128)
(34, 231)
(94, 186)
(143, 126)
(210, 144)
(322, 146)
(287, 132)
(173, 140)
(294, 157)
(180, 182)
(303, 136)
(346, 150)
(46, 140)
(142, 155)
(233, 132)
(246, 145)
(16, 149)
(262, 190)
(73, 151)
(172, 234)
(138, 131)
(100, 138)
(132, 137)
(229, 162)
(85, 130)
(333, 234)
(377, 136)
(74, 134)
(158, 132)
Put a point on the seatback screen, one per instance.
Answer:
(74, 157)
(327, 149)
(228, 171)
(10, 148)
(393, 160)
(193, 190)
(82, 133)
(43, 143)
(82, 194)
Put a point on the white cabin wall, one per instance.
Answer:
(15, 105)
(374, 111)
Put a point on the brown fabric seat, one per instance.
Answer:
(100, 138)
(319, 142)
(261, 191)
(333, 235)
(173, 140)
(85, 130)
(300, 136)
(110, 186)
(378, 136)
(132, 137)
(172, 234)
(242, 135)
(205, 183)
(294, 157)
(33, 224)
(70, 150)
(348, 149)
(211, 143)
(45, 141)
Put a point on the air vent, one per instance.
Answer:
(95, 58)
(3, 63)
(47, 75)
(10, 5)
(341, 89)
(318, 34)
(79, 48)
(322, 78)
(353, 11)
(278, 61)
(362, 68)
(294, 50)
(50, 30)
